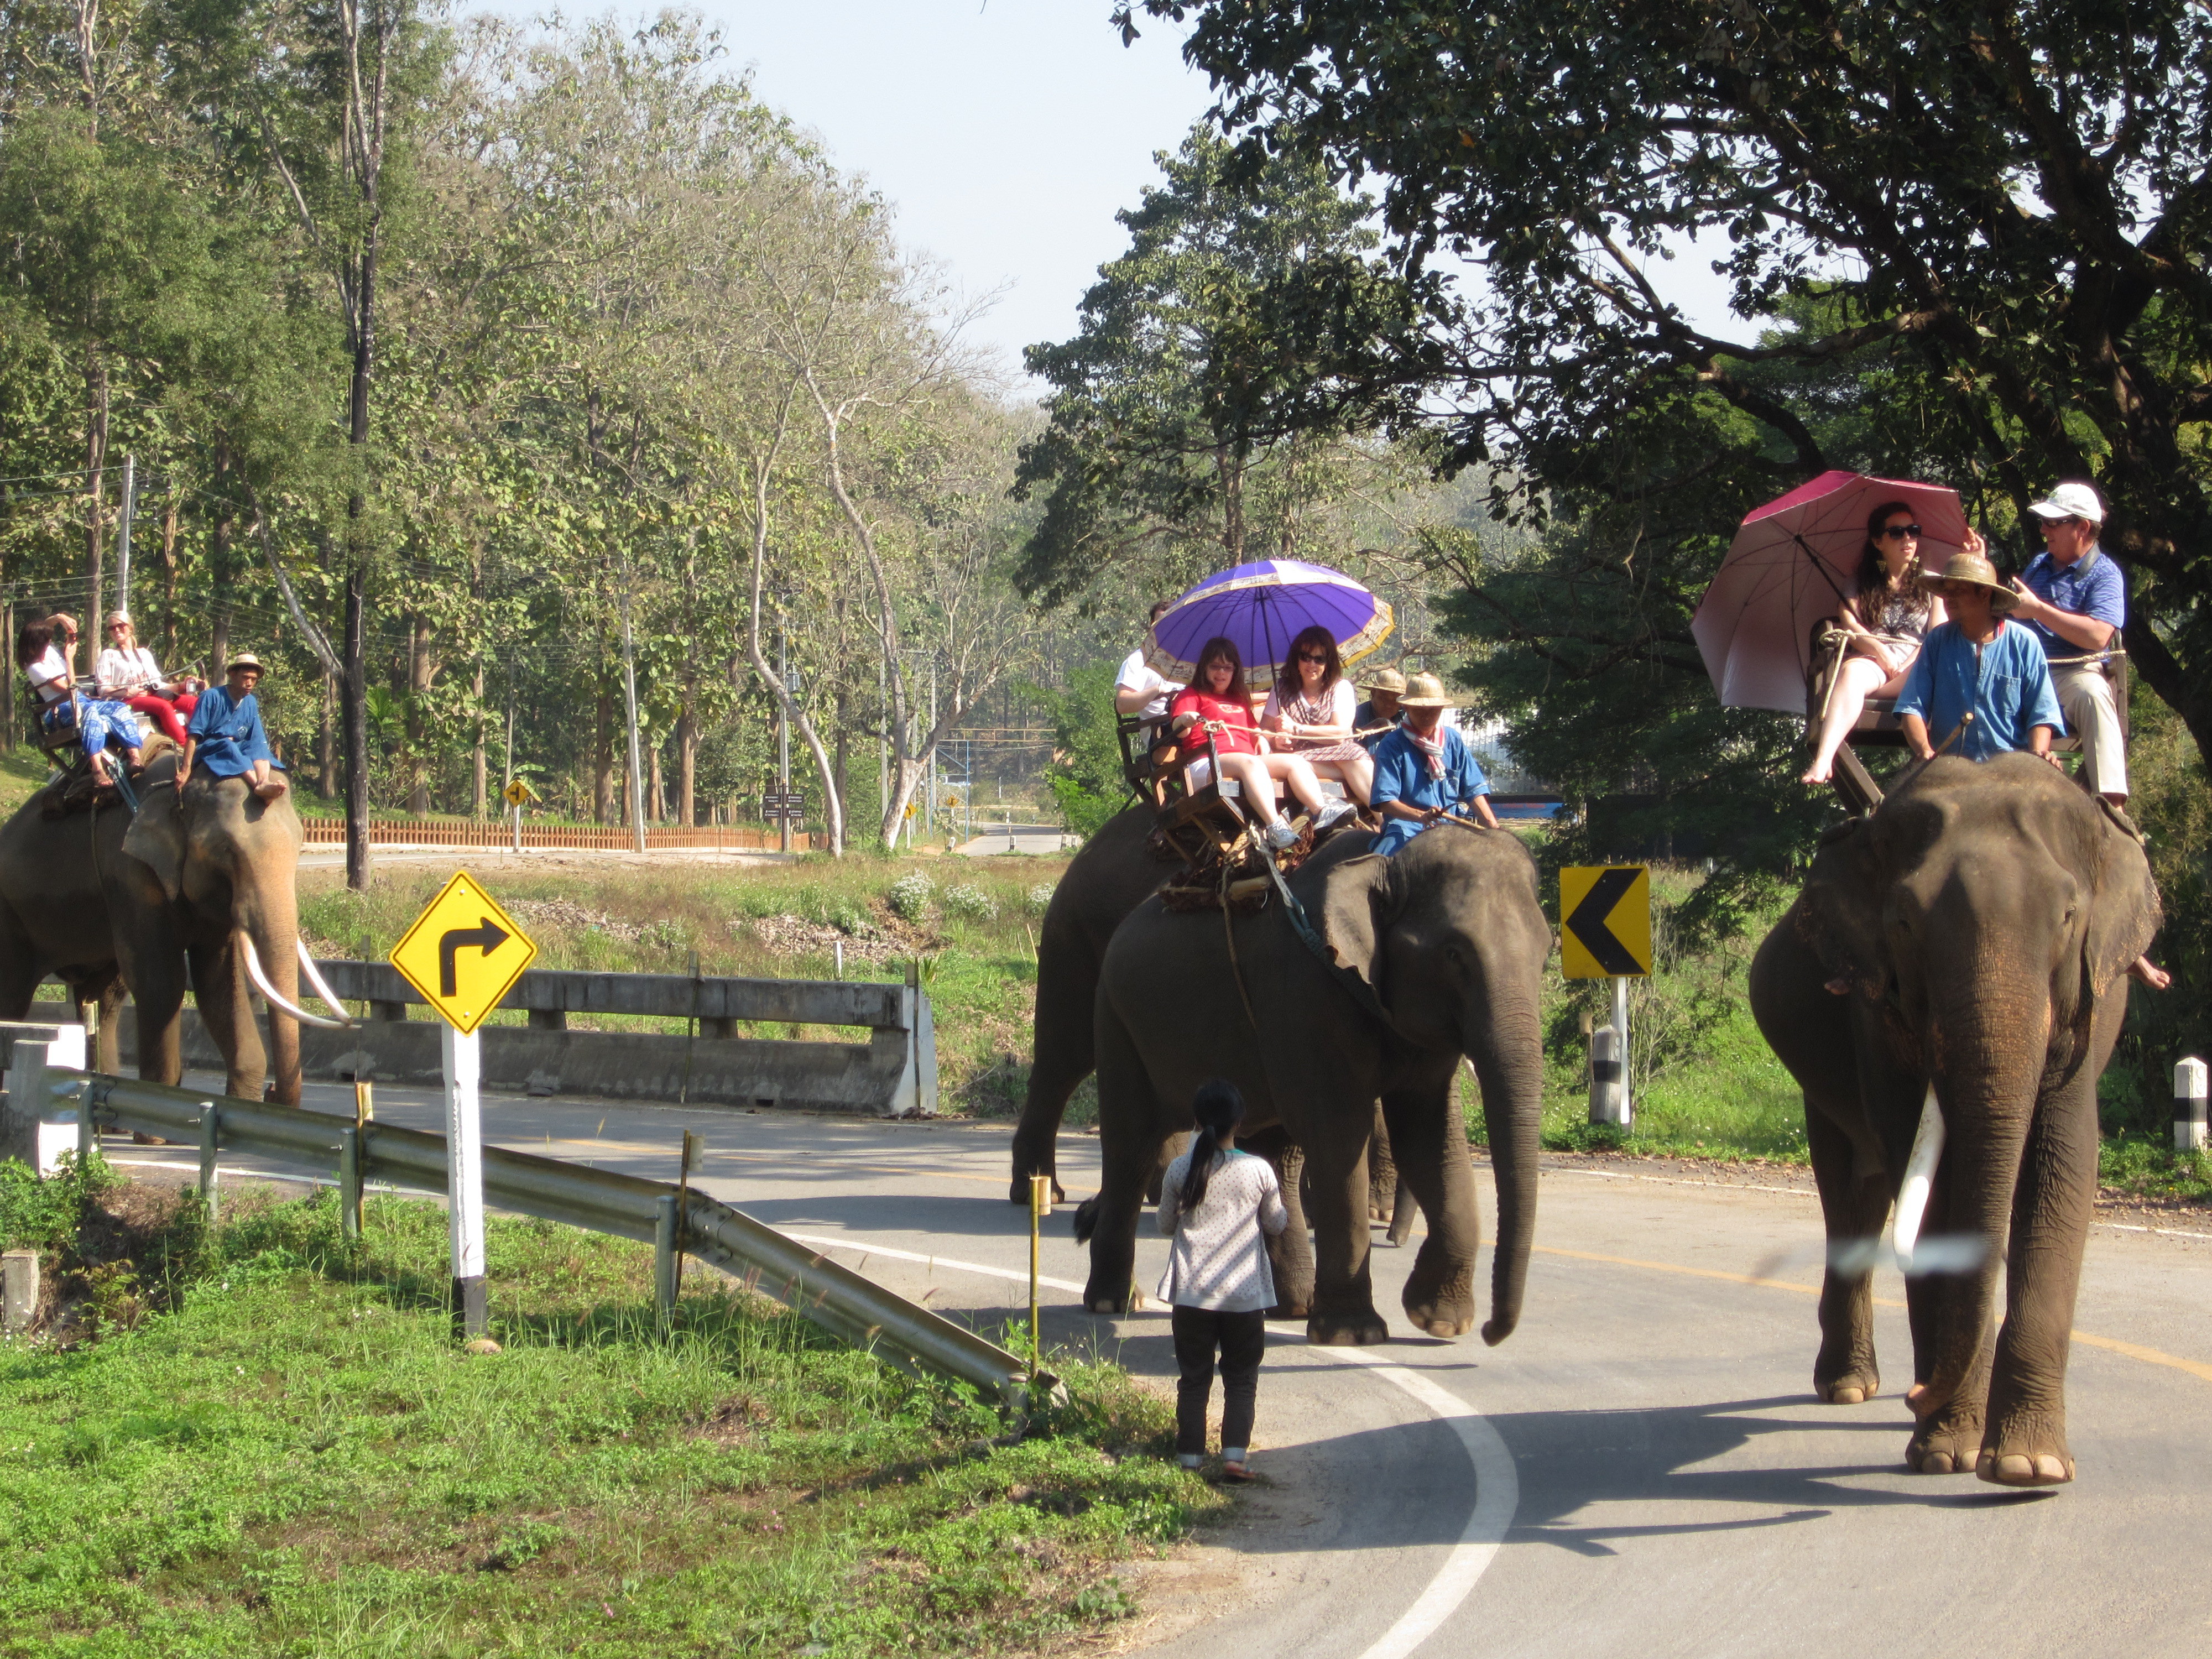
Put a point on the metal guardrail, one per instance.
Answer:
(809, 1283)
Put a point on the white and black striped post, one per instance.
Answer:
(2189, 1129)
(464, 1217)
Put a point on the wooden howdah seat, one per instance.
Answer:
(1878, 726)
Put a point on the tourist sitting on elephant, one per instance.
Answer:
(1981, 681)
(1376, 718)
(1884, 621)
(1216, 703)
(225, 738)
(1424, 769)
(1220, 1206)
(45, 661)
(1140, 688)
(127, 672)
(1310, 711)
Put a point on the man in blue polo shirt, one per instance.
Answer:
(1980, 686)
(2074, 599)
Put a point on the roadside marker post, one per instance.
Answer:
(2189, 1126)
(1605, 933)
(1040, 1202)
(463, 953)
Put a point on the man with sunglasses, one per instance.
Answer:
(2074, 599)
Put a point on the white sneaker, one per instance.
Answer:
(1331, 811)
(1281, 836)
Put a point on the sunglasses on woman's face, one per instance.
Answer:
(1313, 656)
(1898, 532)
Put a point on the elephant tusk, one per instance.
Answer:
(1919, 1178)
(275, 1000)
(322, 987)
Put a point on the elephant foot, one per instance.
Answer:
(1359, 1330)
(1853, 1388)
(1924, 1399)
(1441, 1319)
(1941, 1451)
(2024, 1469)
(1096, 1301)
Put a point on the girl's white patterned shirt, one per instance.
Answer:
(1218, 1259)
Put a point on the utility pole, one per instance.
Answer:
(932, 756)
(123, 542)
(629, 701)
(782, 727)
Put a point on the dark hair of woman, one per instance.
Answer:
(1219, 1107)
(31, 643)
(1290, 682)
(1874, 575)
(1220, 646)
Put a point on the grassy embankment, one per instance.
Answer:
(258, 1439)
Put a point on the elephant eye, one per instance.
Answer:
(1454, 955)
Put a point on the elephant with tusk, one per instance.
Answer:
(1946, 990)
(198, 889)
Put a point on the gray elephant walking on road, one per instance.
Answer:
(1448, 937)
(1972, 937)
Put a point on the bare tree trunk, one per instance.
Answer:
(479, 790)
(687, 756)
(96, 508)
(656, 802)
(418, 691)
(327, 757)
(603, 762)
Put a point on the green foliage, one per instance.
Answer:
(970, 902)
(43, 1212)
(1086, 774)
(298, 1459)
(910, 895)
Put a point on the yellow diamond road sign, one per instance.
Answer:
(463, 953)
(519, 793)
(1605, 920)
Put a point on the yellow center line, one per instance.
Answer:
(2196, 1368)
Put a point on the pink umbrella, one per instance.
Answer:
(1792, 562)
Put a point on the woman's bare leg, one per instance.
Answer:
(1251, 772)
(1356, 775)
(1859, 679)
(1298, 774)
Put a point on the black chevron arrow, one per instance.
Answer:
(1588, 922)
(489, 936)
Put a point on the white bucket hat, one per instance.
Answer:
(2070, 501)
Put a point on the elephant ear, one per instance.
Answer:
(156, 835)
(1839, 915)
(2124, 909)
(1354, 904)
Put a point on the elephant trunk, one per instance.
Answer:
(267, 917)
(1507, 1049)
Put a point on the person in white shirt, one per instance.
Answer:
(1140, 688)
(1311, 711)
(127, 672)
(40, 655)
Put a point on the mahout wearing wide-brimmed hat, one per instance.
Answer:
(244, 659)
(1974, 570)
(1385, 678)
(2073, 499)
(1426, 691)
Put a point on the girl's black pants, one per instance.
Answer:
(1240, 1338)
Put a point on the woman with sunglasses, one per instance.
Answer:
(127, 672)
(1312, 708)
(1885, 619)
(1216, 702)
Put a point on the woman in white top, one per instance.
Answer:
(1220, 1206)
(98, 722)
(127, 672)
(1311, 709)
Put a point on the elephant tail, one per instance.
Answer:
(1086, 1219)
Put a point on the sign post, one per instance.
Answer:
(463, 953)
(1605, 933)
(518, 795)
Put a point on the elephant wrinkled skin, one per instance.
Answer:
(109, 900)
(1450, 936)
(1973, 935)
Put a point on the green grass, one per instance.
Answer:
(23, 773)
(277, 1448)
(2144, 1167)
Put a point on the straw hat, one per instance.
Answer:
(1972, 568)
(244, 659)
(1385, 678)
(1426, 691)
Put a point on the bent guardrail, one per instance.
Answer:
(835, 1298)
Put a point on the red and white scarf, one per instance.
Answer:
(1432, 750)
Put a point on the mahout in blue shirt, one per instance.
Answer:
(227, 734)
(2005, 683)
(1401, 773)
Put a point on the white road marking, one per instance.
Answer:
(1496, 1484)
(2163, 1232)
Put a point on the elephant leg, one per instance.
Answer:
(1432, 1136)
(1171, 1148)
(1342, 1312)
(1948, 1436)
(1402, 1206)
(107, 1047)
(1060, 1059)
(219, 981)
(1854, 1204)
(2024, 1442)
(1383, 1183)
(22, 968)
(1290, 1253)
(1131, 1126)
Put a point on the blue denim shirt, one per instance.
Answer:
(228, 736)
(1401, 773)
(2006, 683)
(2092, 585)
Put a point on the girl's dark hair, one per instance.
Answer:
(1874, 575)
(1217, 1106)
(1289, 682)
(31, 643)
(1219, 645)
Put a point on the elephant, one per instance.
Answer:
(1966, 944)
(1435, 952)
(106, 899)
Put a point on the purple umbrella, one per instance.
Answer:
(1263, 606)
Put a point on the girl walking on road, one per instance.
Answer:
(1220, 1206)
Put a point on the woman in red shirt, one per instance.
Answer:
(1216, 702)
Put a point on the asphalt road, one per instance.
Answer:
(1656, 1476)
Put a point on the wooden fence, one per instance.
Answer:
(413, 832)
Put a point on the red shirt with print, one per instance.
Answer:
(1241, 737)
